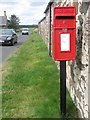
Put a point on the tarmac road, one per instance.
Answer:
(6, 51)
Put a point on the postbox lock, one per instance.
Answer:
(64, 29)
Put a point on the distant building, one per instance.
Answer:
(3, 21)
(78, 71)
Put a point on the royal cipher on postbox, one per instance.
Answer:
(64, 33)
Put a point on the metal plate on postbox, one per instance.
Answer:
(65, 42)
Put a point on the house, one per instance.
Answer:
(3, 21)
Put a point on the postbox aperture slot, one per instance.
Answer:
(65, 17)
(62, 21)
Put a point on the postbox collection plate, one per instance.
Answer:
(65, 42)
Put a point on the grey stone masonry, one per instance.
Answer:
(78, 71)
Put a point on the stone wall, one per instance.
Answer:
(44, 29)
(78, 71)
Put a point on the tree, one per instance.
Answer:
(13, 22)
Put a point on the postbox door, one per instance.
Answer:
(64, 44)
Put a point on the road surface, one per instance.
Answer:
(7, 51)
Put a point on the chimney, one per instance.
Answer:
(4, 13)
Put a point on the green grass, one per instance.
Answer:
(31, 83)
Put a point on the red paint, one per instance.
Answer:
(64, 22)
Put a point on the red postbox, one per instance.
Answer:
(64, 33)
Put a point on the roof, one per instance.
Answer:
(3, 20)
(50, 3)
(41, 20)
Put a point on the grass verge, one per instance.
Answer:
(31, 83)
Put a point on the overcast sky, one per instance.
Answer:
(29, 11)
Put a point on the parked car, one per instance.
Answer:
(25, 31)
(8, 36)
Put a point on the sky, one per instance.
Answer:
(29, 11)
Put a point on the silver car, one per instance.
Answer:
(25, 31)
